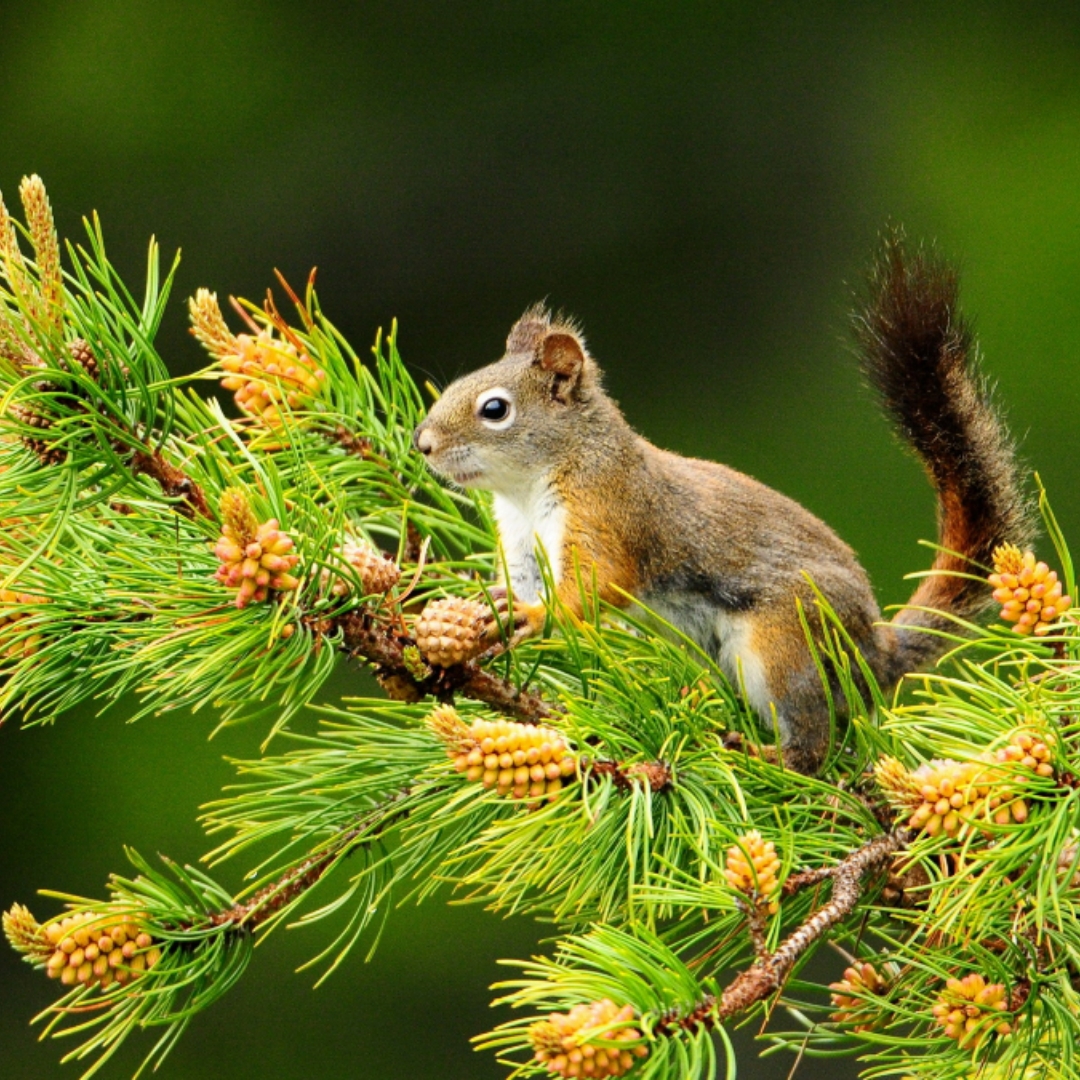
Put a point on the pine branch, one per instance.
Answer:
(768, 974)
(605, 778)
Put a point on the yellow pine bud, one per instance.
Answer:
(971, 1009)
(85, 947)
(578, 1042)
(451, 631)
(505, 755)
(27, 935)
(751, 867)
(209, 326)
(853, 996)
(255, 557)
(901, 789)
(1029, 592)
(444, 721)
(39, 221)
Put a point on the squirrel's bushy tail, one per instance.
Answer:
(920, 355)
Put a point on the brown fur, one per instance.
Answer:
(918, 351)
(719, 555)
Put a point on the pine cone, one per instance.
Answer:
(1029, 592)
(752, 866)
(47, 452)
(377, 573)
(969, 1009)
(520, 760)
(84, 356)
(559, 1045)
(451, 631)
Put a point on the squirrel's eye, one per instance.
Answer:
(495, 408)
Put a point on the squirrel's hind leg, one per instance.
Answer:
(766, 655)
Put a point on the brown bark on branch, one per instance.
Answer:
(768, 973)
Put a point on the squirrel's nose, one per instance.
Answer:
(423, 440)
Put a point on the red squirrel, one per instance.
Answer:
(717, 554)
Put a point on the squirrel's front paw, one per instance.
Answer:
(511, 626)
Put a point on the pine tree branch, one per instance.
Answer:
(768, 973)
(656, 774)
(296, 881)
(174, 483)
(383, 646)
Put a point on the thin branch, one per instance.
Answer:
(270, 899)
(769, 972)
(174, 483)
(656, 774)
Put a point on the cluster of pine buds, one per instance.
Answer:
(1028, 591)
(452, 630)
(1027, 750)
(376, 572)
(853, 996)
(752, 867)
(40, 297)
(255, 557)
(264, 372)
(970, 1009)
(9, 625)
(519, 760)
(945, 796)
(560, 1047)
(86, 948)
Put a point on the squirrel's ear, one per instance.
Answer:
(562, 355)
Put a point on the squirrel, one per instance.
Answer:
(719, 555)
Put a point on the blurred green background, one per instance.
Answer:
(701, 183)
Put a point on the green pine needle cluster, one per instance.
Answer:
(116, 482)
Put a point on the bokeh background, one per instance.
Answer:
(702, 183)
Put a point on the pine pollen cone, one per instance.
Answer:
(558, 1043)
(88, 948)
(263, 372)
(751, 867)
(1029, 592)
(946, 796)
(969, 1009)
(860, 982)
(12, 646)
(255, 558)
(517, 760)
(451, 631)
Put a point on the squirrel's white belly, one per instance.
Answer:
(534, 519)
